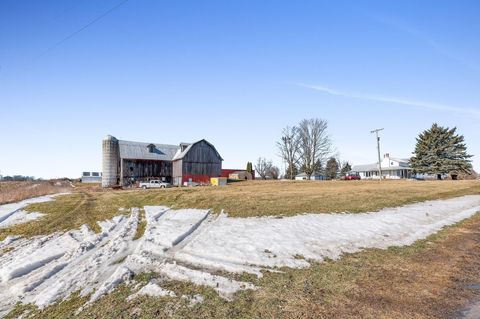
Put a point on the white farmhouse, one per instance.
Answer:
(392, 168)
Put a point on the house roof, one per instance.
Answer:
(401, 160)
(179, 154)
(403, 164)
(374, 168)
(365, 167)
(139, 150)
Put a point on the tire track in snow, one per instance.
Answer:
(49, 268)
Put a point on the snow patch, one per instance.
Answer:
(153, 290)
(19, 217)
(193, 300)
(12, 214)
(122, 274)
(192, 245)
(250, 244)
(7, 210)
(225, 287)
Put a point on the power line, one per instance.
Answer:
(103, 15)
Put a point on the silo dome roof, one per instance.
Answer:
(110, 138)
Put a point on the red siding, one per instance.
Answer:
(203, 179)
(226, 172)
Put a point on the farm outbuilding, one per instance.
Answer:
(237, 174)
(91, 177)
(314, 177)
(126, 162)
(240, 176)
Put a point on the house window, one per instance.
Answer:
(96, 174)
(86, 174)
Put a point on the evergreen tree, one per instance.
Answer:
(249, 167)
(440, 150)
(345, 169)
(331, 168)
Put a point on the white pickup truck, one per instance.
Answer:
(154, 184)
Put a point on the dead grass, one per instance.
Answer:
(261, 198)
(425, 280)
(11, 192)
(142, 224)
(90, 204)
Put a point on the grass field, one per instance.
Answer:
(89, 204)
(426, 280)
(11, 192)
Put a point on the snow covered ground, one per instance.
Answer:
(192, 245)
(12, 214)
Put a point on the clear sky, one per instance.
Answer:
(233, 72)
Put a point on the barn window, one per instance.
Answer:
(151, 148)
(183, 146)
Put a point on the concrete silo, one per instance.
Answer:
(111, 161)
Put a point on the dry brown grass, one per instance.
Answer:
(11, 192)
(260, 198)
(426, 280)
(89, 204)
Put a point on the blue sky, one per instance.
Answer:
(233, 72)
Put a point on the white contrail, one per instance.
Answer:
(396, 100)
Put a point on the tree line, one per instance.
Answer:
(307, 147)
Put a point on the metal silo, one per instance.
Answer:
(111, 161)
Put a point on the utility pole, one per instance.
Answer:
(378, 149)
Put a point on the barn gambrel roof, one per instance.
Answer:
(139, 150)
(181, 154)
(161, 152)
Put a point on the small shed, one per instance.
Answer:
(314, 177)
(240, 176)
(226, 172)
(218, 181)
(91, 177)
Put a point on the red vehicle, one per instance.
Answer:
(352, 177)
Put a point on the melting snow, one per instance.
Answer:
(193, 245)
(153, 290)
(12, 214)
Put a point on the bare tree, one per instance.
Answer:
(273, 172)
(314, 143)
(263, 167)
(289, 148)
